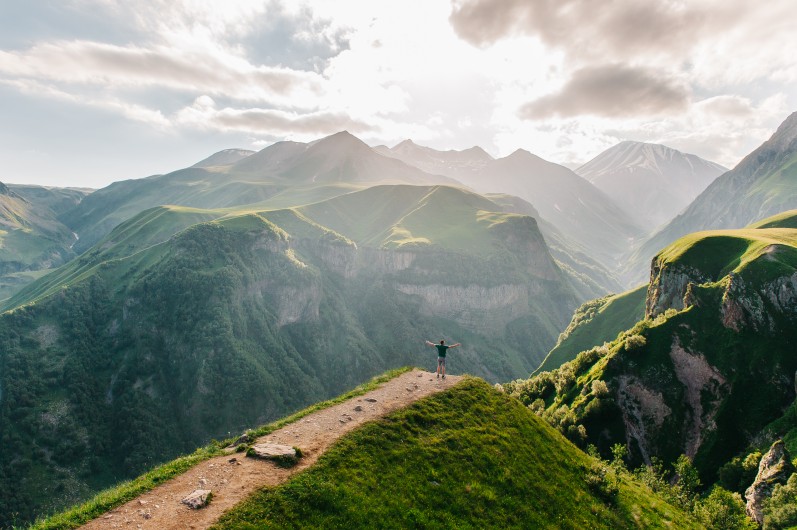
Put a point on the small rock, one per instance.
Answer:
(141, 501)
(146, 515)
(197, 499)
(232, 460)
(370, 400)
(358, 408)
(203, 481)
(420, 375)
(410, 389)
(342, 421)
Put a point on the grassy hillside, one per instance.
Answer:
(31, 237)
(709, 371)
(467, 458)
(142, 349)
(596, 322)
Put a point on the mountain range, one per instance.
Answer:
(652, 182)
(761, 185)
(189, 305)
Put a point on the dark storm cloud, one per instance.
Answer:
(613, 91)
(587, 27)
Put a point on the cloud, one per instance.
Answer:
(586, 27)
(129, 110)
(612, 91)
(207, 70)
(271, 122)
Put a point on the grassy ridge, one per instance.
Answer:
(738, 330)
(120, 494)
(596, 322)
(469, 457)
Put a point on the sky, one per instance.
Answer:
(95, 91)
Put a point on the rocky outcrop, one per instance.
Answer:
(703, 385)
(775, 468)
(484, 309)
(669, 286)
(385, 261)
(746, 306)
(782, 293)
(297, 303)
(644, 410)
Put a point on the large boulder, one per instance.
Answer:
(775, 468)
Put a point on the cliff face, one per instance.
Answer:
(668, 287)
(710, 370)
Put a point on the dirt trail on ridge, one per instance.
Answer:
(231, 481)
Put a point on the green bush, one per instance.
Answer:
(723, 510)
(780, 511)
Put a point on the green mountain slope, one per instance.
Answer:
(596, 322)
(143, 348)
(282, 175)
(709, 372)
(467, 458)
(31, 237)
(761, 185)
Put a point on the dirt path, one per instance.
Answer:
(231, 481)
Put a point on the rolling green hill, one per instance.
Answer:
(708, 372)
(467, 458)
(149, 344)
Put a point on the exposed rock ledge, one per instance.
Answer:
(775, 468)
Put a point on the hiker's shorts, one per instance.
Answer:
(441, 361)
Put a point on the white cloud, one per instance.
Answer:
(208, 70)
(562, 78)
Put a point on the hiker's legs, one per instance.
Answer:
(441, 365)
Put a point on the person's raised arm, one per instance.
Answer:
(455, 345)
(429, 343)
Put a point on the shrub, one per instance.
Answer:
(619, 454)
(739, 473)
(780, 511)
(723, 510)
(599, 388)
(634, 342)
(603, 481)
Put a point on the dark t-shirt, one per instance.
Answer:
(441, 349)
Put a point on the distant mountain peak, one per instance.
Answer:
(786, 132)
(225, 157)
(478, 152)
(340, 140)
(405, 143)
(4, 189)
